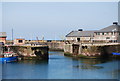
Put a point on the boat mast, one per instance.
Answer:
(12, 36)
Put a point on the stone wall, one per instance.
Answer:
(39, 52)
(112, 48)
(68, 48)
(97, 51)
(56, 46)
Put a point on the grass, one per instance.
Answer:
(81, 56)
(78, 56)
(68, 54)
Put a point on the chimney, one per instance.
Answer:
(115, 23)
(80, 29)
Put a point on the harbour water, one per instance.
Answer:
(61, 67)
(0, 71)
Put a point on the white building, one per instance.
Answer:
(108, 34)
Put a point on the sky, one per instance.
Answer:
(53, 20)
(59, 0)
(119, 12)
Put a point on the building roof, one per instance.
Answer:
(114, 27)
(19, 39)
(111, 28)
(3, 34)
(80, 34)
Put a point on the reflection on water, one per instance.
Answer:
(27, 69)
(55, 52)
(88, 67)
(0, 71)
(93, 61)
(33, 61)
(90, 63)
(61, 67)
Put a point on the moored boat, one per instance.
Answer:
(114, 53)
(8, 57)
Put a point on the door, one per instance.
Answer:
(75, 49)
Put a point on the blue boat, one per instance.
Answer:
(8, 57)
(115, 53)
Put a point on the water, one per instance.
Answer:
(61, 67)
(0, 71)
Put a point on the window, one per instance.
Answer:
(78, 39)
(107, 33)
(107, 37)
(115, 40)
(20, 41)
(111, 33)
(102, 33)
(97, 33)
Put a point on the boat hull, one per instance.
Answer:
(115, 53)
(9, 59)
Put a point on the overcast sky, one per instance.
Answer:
(54, 20)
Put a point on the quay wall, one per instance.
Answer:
(56, 46)
(37, 52)
(91, 51)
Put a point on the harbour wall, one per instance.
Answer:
(31, 52)
(91, 50)
(56, 46)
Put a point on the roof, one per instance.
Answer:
(110, 28)
(3, 34)
(80, 34)
(20, 39)
(115, 27)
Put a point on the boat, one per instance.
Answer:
(114, 53)
(8, 57)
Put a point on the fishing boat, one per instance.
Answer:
(114, 53)
(8, 57)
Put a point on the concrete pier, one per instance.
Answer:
(31, 52)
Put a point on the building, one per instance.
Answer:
(110, 34)
(19, 41)
(93, 43)
(3, 37)
(80, 36)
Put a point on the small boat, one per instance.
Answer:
(8, 57)
(115, 53)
